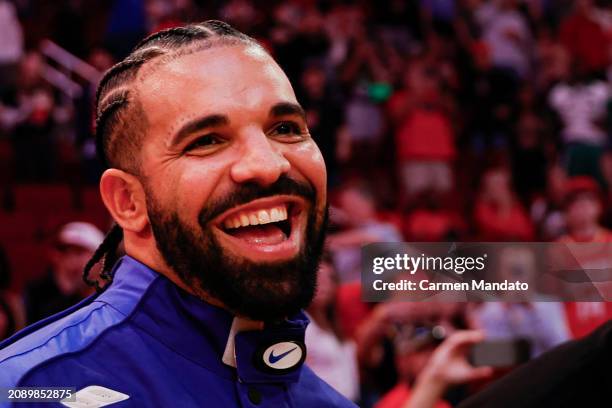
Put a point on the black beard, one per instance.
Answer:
(259, 291)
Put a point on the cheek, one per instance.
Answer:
(306, 159)
(187, 188)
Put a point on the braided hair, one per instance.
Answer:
(120, 119)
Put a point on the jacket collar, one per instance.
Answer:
(202, 333)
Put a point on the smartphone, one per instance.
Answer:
(500, 353)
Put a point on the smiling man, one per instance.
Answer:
(218, 193)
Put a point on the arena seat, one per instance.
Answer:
(28, 261)
(19, 226)
(43, 198)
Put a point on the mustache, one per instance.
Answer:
(250, 191)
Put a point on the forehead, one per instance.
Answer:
(224, 80)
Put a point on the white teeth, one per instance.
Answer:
(265, 216)
(244, 220)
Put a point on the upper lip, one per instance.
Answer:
(260, 203)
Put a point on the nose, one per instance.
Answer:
(259, 162)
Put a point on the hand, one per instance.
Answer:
(449, 365)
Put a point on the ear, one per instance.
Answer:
(124, 197)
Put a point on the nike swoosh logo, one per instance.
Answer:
(273, 359)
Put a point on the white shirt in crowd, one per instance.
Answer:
(542, 323)
(334, 361)
(579, 107)
(507, 34)
(11, 35)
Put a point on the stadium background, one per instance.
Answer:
(438, 119)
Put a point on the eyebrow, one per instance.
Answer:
(197, 125)
(214, 120)
(287, 108)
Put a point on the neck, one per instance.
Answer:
(153, 259)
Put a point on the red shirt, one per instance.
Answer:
(350, 308)
(586, 41)
(399, 395)
(425, 134)
(495, 226)
(427, 225)
(584, 317)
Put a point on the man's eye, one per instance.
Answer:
(204, 141)
(287, 128)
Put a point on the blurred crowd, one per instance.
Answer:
(439, 120)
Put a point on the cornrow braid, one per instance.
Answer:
(177, 36)
(107, 251)
(121, 121)
(103, 119)
(119, 73)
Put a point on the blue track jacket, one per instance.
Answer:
(144, 342)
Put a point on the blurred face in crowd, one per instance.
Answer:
(100, 59)
(313, 81)
(517, 263)
(68, 262)
(235, 185)
(156, 9)
(42, 105)
(496, 186)
(583, 211)
(422, 81)
(30, 69)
